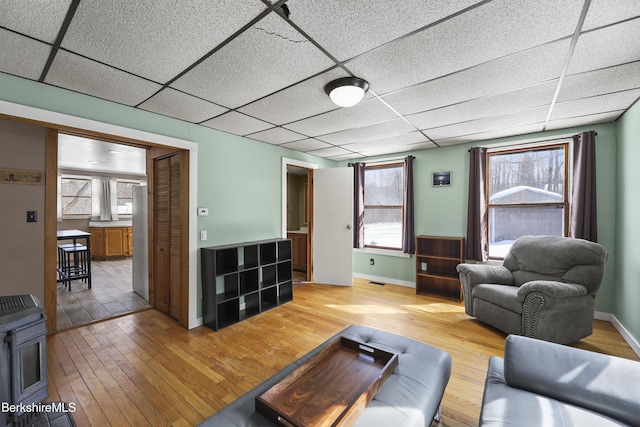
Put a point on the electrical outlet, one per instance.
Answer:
(371, 261)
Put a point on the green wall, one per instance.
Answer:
(442, 211)
(627, 264)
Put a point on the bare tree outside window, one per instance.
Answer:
(527, 195)
(76, 196)
(125, 197)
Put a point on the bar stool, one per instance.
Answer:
(74, 264)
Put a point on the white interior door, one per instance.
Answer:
(333, 226)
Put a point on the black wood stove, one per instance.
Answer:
(23, 362)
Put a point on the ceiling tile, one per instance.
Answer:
(13, 59)
(496, 105)
(513, 72)
(331, 152)
(489, 135)
(41, 21)
(604, 12)
(364, 114)
(155, 39)
(600, 82)
(346, 29)
(302, 100)
(305, 145)
(267, 57)
(366, 133)
(276, 136)
(494, 30)
(608, 46)
(507, 121)
(170, 102)
(237, 123)
(595, 104)
(347, 156)
(584, 120)
(391, 144)
(80, 74)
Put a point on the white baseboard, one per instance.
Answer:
(633, 343)
(385, 280)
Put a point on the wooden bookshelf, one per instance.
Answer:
(436, 261)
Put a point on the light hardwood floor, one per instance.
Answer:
(145, 370)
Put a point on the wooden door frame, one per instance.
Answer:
(309, 167)
(54, 123)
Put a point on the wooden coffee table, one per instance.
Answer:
(330, 389)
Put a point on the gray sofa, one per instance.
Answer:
(545, 288)
(544, 384)
(410, 396)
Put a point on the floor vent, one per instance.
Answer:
(377, 283)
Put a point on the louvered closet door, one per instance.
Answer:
(167, 234)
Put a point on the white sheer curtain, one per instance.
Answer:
(104, 204)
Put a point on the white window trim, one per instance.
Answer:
(387, 252)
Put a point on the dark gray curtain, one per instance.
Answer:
(409, 236)
(476, 242)
(584, 223)
(358, 205)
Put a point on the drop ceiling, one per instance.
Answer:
(440, 73)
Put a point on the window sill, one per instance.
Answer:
(386, 252)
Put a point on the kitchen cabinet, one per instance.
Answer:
(299, 250)
(111, 242)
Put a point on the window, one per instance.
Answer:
(76, 196)
(125, 197)
(383, 206)
(527, 195)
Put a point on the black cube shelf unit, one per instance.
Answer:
(244, 279)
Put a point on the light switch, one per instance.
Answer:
(203, 235)
(32, 216)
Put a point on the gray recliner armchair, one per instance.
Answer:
(545, 288)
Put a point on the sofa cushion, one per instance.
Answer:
(597, 382)
(500, 295)
(503, 405)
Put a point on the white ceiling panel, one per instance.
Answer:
(276, 136)
(606, 47)
(605, 12)
(83, 75)
(13, 59)
(507, 121)
(496, 105)
(42, 22)
(155, 39)
(396, 141)
(367, 133)
(462, 70)
(331, 152)
(237, 123)
(172, 103)
(584, 120)
(512, 72)
(364, 114)
(267, 57)
(98, 156)
(305, 145)
(348, 156)
(347, 29)
(595, 104)
(494, 134)
(486, 33)
(600, 82)
(296, 102)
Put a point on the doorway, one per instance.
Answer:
(96, 182)
(298, 213)
(181, 276)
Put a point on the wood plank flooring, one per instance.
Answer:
(144, 370)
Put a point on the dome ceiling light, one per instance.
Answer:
(346, 91)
